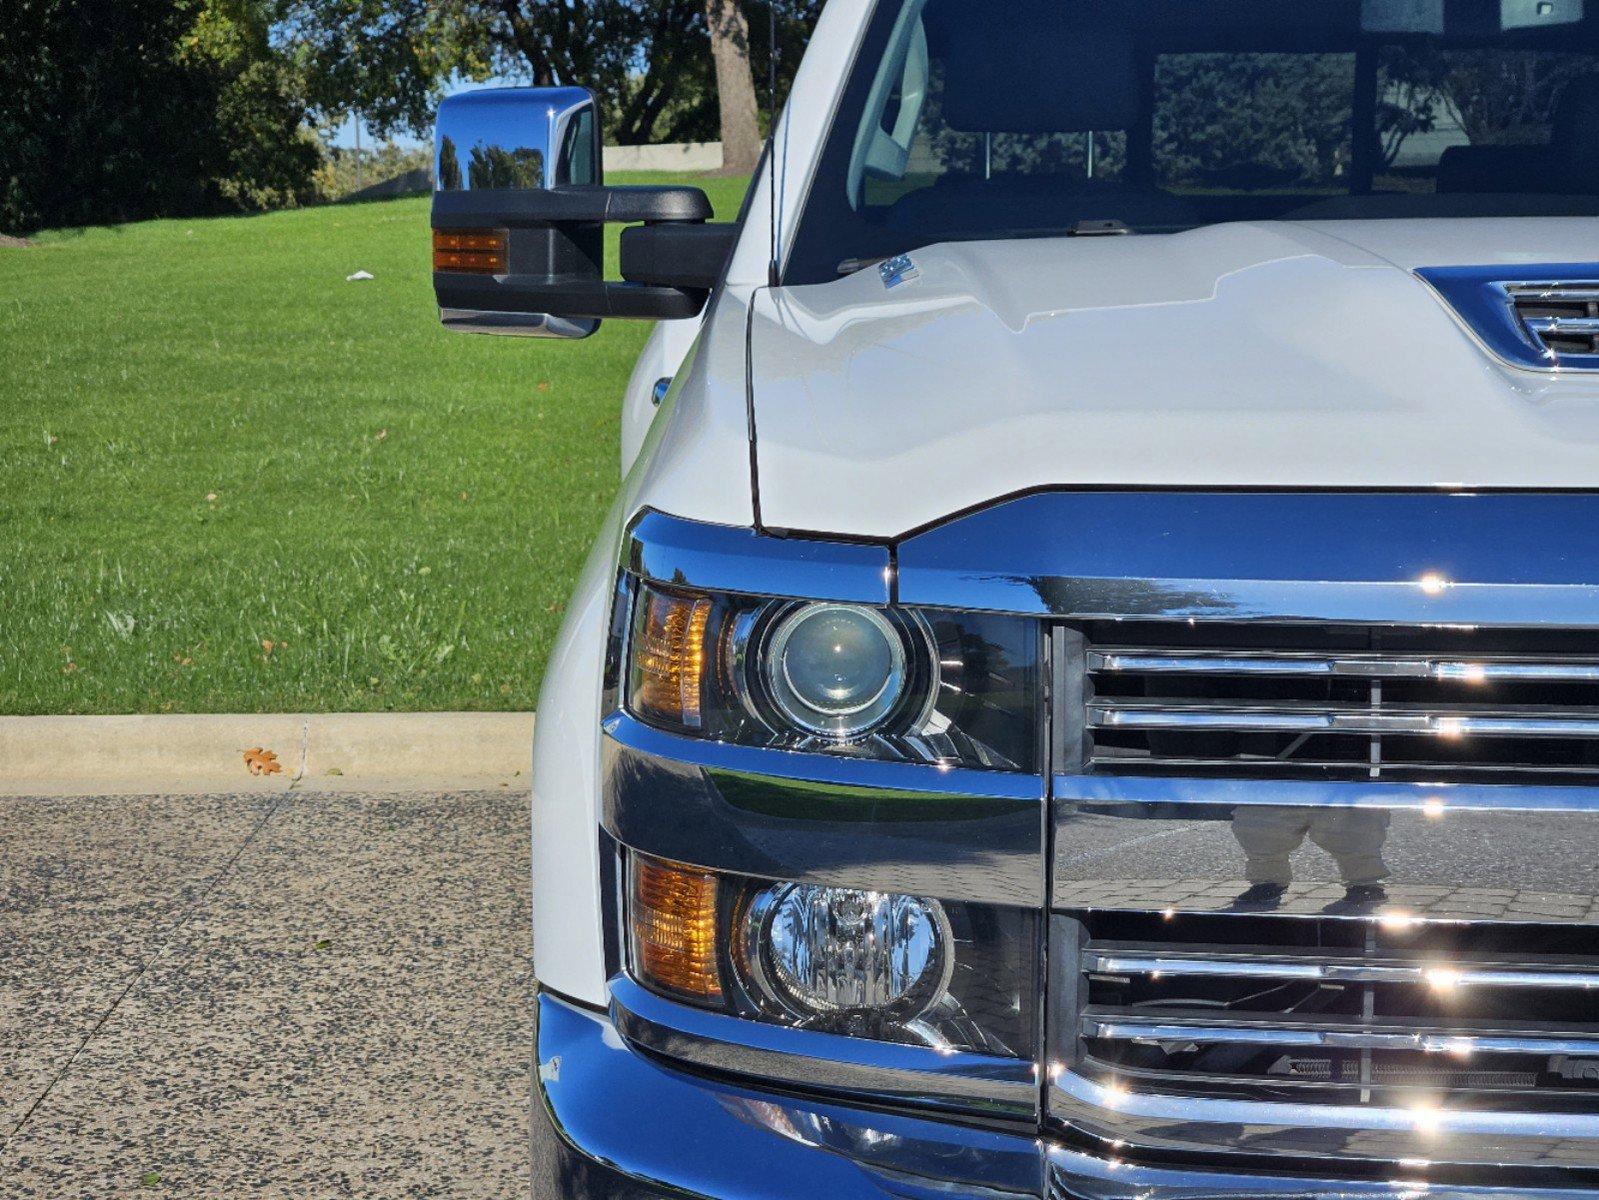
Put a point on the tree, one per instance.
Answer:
(267, 154)
(390, 59)
(1505, 97)
(116, 110)
(646, 60)
(735, 84)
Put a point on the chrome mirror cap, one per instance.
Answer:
(520, 137)
(524, 139)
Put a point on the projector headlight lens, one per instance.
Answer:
(836, 669)
(837, 954)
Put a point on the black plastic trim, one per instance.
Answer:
(684, 256)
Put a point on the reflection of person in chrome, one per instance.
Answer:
(1352, 836)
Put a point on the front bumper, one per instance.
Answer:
(612, 1123)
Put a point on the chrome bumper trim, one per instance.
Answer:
(818, 818)
(878, 1072)
(618, 1125)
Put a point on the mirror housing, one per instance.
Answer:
(519, 216)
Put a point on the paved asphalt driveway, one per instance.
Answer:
(293, 996)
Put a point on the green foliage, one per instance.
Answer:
(116, 110)
(1498, 97)
(99, 120)
(1253, 120)
(338, 176)
(648, 61)
(210, 441)
(272, 156)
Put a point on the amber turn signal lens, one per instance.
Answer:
(673, 918)
(471, 251)
(669, 657)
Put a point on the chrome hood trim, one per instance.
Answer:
(1377, 558)
(1486, 300)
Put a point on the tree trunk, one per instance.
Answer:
(735, 85)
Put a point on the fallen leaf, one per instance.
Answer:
(544, 385)
(211, 497)
(268, 645)
(262, 762)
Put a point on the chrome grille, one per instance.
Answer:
(1341, 1012)
(1363, 704)
(1563, 318)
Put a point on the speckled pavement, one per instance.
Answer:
(278, 996)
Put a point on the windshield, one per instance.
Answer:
(1024, 118)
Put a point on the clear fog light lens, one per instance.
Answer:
(836, 669)
(822, 952)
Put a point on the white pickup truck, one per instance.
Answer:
(1090, 687)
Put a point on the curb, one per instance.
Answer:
(384, 752)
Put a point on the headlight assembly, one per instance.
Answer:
(958, 689)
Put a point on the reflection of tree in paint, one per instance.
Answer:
(498, 167)
(449, 166)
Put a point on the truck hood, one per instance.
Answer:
(1294, 356)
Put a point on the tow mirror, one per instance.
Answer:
(519, 214)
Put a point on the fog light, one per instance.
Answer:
(830, 954)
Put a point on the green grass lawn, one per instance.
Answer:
(230, 481)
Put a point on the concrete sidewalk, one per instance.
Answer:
(361, 752)
(296, 995)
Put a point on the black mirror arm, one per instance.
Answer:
(670, 261)
(524, 208)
